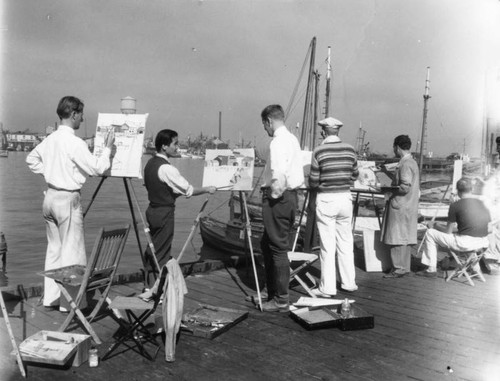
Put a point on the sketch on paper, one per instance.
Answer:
(129, 140)
(228, 169)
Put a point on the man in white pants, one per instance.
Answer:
(64, 160)
(334, 168)
(471, 217)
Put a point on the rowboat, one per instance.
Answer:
(230, 236)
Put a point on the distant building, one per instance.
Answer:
(23, 141)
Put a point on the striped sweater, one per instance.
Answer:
(333, 166)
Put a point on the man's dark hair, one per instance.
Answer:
(464, 185)
(498, 140)
(67, 105)
(164, 137)
(403, 142)
(274, 112)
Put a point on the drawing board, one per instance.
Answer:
(229, 169)
(129, 140)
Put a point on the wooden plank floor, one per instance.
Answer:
(425, 329)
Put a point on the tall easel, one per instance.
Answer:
(127, 182)
(248, 229)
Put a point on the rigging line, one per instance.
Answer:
(218, 207)
(299, 80)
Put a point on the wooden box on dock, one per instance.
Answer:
(56, 348)
(330, 317)
(210, 321)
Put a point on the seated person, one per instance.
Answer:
(491, 197)
(471, 218)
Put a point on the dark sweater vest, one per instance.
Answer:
(159, 193)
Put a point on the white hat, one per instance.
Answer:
(330, 122)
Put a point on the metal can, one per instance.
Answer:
(93, 358)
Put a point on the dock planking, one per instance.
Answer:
(425, 329)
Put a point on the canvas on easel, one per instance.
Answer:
(129, 139)
(228, 169)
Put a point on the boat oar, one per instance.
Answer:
(11, 335)
(193, 229)
(249, 237)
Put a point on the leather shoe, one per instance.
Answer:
(393, 275)
(51, 308)
(273, 306)
(318, 292)
(427, 274)
(355, 288)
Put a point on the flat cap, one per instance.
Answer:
(330, 122)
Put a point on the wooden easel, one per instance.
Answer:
(127, 182)
(248, 230)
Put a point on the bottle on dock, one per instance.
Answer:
(345, 309)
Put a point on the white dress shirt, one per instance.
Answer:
(173, 178)
(284, 169)
(64, 160)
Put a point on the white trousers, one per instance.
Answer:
(63, 216)
(434, 238)
(333, 217)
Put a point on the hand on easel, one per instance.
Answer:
(211, 189)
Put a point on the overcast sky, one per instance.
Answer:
(186, 61)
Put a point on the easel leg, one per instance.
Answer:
(249, 238)
(94, 196)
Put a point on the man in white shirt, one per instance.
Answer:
(164, 184)
(64, 160)
(283, 175)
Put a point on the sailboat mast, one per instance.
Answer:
(328, 75)
(424, 122)
(306, 121)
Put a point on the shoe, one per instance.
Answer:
(63, 310)
(255, 298)
(427, 274)
(51, 308)
(273, 306)
(351, 289)
(319, 293)
(445, 263)
(393, 275)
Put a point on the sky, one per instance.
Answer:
(187, 61)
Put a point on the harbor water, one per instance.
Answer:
(21, 220)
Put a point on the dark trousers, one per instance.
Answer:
(161, 221)
(278, 216)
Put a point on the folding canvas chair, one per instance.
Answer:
(467, 265)
(135, 329)
(305, 260)
(96, 276)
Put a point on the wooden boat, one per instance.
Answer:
(230, 236)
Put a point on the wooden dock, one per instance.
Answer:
(425, 329)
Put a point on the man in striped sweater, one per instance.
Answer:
(333, 170)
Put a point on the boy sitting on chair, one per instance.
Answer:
(470, 216)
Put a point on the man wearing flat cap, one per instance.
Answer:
(334, 168)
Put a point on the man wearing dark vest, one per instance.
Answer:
(164, 184)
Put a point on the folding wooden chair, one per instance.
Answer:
(96, 276)
(467, 265)
(135, 329)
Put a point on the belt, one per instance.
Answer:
(62, 189)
